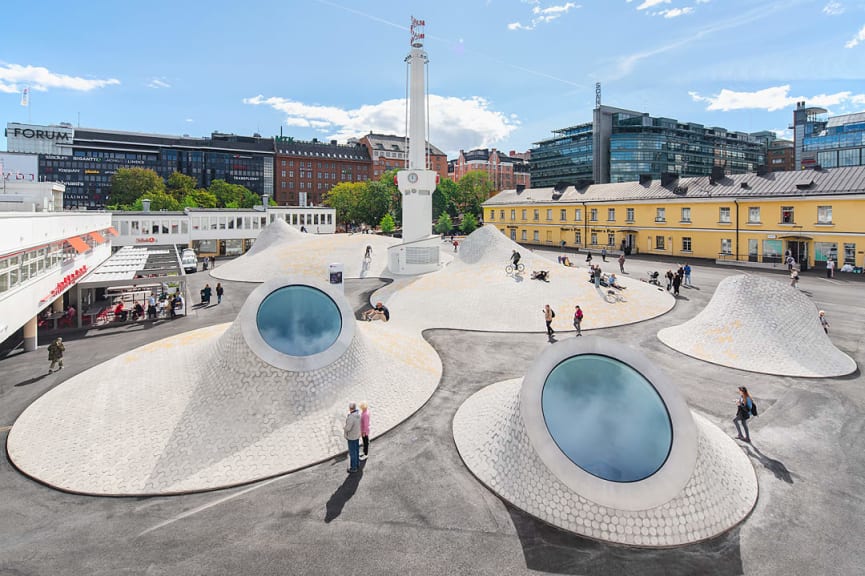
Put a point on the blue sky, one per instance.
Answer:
(502, 73)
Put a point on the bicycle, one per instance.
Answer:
(520, 268)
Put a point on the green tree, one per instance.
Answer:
(387, 180)
(387, 224)
(130, 184)
(442, 200)
(199, 198)
(227, 195)
(179, 185)
(444, 224)
(469, 223)
(473, 189)
(159, 201)
(248, 198)
(344, 198)
(373, 202)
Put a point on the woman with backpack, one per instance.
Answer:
(744, 408)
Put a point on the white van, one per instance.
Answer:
(189, 261)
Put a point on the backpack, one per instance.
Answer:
(753, 408)
(552, 313)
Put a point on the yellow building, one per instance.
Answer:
(816, 215)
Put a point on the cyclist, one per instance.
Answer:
(515, 259)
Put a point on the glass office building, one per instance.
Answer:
(623, 145)
(837, 141)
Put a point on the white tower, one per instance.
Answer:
(419, 251)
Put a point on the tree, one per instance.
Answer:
(199, 198)
(130, 184)
(179, 185)
(159, 201)
(469, 224)
(472, 190)
(387, 180)
(442, 200)
(344, 199)
(444, 224)
(373, 202)
(387, 224)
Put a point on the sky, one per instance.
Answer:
(502, 73)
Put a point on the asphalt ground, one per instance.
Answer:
(415, 509)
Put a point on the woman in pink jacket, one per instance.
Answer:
(364, 429)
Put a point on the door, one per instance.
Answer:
(752, 249)
(799, 251)
(513, 234)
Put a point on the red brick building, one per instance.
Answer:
(780, 154)
(389, 152)
(505, 171)
(305, 171)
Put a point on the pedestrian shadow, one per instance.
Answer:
(32, 380)
(680, 297)
(551, 338)
(343, 494)
(549, 549)
(776, 467)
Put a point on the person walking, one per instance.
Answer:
(823, 322)
(55, 354)
(549, 314)
(677, 281)
(219, 292)
(352, 435)
(368, 254)
(578, 319)
(622, 262)
(604, 254)
(669, 276)
(687, 270)
(364, 429)
(744, 406)
(205, 294)
(794, 278)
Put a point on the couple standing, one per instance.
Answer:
(356, 428)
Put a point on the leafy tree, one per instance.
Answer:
(344, 199)
(442, 200)
(444, 224)
(387, 180)
(227, 195)
(387, 224)
(130, 184)
(248, 198)
(373, 202)
(469, 224)
(159, 200)
(199, 198)
(472, 190)
(179, 185)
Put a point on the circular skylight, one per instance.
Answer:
(299, 320)
(607, 418)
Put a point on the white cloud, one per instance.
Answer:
(833, 8)
(859, 37)
(674, 12)
(189, 120)
(771, 99)
(13, 77)
(455, 123)
(783, 133)
(158, 83)
(649, 3)
(543, 15)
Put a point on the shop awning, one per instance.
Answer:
(795, 237)
(113, 231)
(79, 244)
(99, 238)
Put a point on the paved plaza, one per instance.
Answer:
(416, 508)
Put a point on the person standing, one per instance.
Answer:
(794, 278)
(687, 270)
(219, 292)
(549, 314)
(55, 354)
(744, 406)
(622, 262)
(152, 311)
(604, 254)
(205, 294)
(823, 322)
(364, 429)
(669, 276)
(352, 435)
(677, 281)
(830, 268)
(578, 319)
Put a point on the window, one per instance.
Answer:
(593, 214)
(549, 214)
(492, 214)
(513, 215)
(578, 237)
(629, 214)
(283, 173)
(594, 239)
(660, 215)
(578, 214)
(611, 238)
(686, 244)
(536, 236)
(724, 215)
(787, 215)
(824, 214)
(537, 215)
(726, 246)
(524, 215)
(753, 215)
(523, 236)
(611, 214)
(563, 214)
(659, 242)
(850, 254)
(686, 214)
(501, 214)
(549, 236)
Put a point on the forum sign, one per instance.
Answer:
(32, 139)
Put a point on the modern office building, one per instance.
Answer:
(305, 171)
(753, 217)
(828, 142)
(390, 152)
(505, 170)
(780, 153)
(85, 159)
(622, 145)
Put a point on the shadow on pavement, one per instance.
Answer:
(548, 549)
(32, 380)
(776, 467)
(343, 494)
